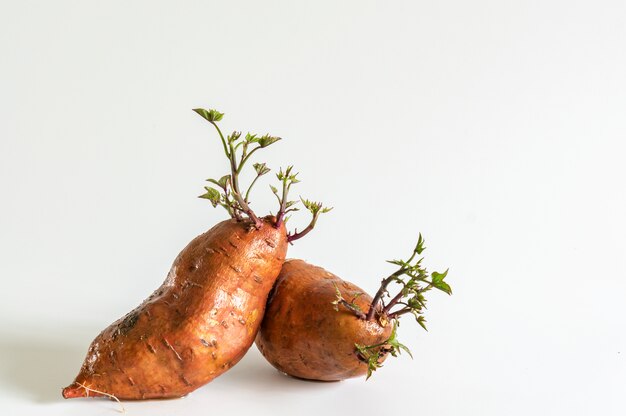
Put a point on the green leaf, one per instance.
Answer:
(437, 280)
(209, 115)
(260, 168)
(400, 263)
(234, 136)
(420, 245)
(314, 207)
(438, 277)
(267, 140)
(212, 195)
(224, 181)
(421, 320)
(444, 287)
(274, 190)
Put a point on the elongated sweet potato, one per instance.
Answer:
(320, 327)
(199, 323)
(206, 314)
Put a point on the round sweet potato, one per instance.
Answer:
(304, 336)
(199, 323)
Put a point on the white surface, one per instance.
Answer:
(496, 128)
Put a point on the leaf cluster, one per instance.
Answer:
(373, 355)
(229, 194)
(414, 280)
(238, 149)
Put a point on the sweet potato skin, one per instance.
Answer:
(303, 336)
(197, 325)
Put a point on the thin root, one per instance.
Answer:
(88, 389)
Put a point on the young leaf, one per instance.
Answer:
(421, 320)
(443, 286)
(234, 136)
(420, 245)
(438, 277)
(224, 180)
(337, 300)
(212, 195)
(267, 140)
(261, 169)
(209, 115)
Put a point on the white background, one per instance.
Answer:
(496, 128)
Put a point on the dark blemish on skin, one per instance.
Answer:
(174, 295)
(258, 279)
(206, 344)
(192, 283)
(184, 379)
(226, 364)
(223, 251)
(257, 255)
(214, 343)
(129, 321)
(214, 355)
(233, 244)
(231, 313)
(130, 380)
(242, 321)
(162, 387)
(270, 243)
(193, 268)
(168, 345)
(151, 349)
(235, 268)
(224, 324)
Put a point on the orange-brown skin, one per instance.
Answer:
(303, 336)
(197, 325)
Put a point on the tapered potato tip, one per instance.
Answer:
(75, 390)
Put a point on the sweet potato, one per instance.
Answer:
(206, 314)
(199, 323)
(320, 327)
(302, 335)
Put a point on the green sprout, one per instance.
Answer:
(227, 191)
(414, 281)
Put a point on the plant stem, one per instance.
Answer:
(245, 159)
(250, 187)
(392, 302)
(221, 137)
(356, 311)
(234, 184)
(298, 235)
(283, 203)
(399, 312)
(381, 291)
